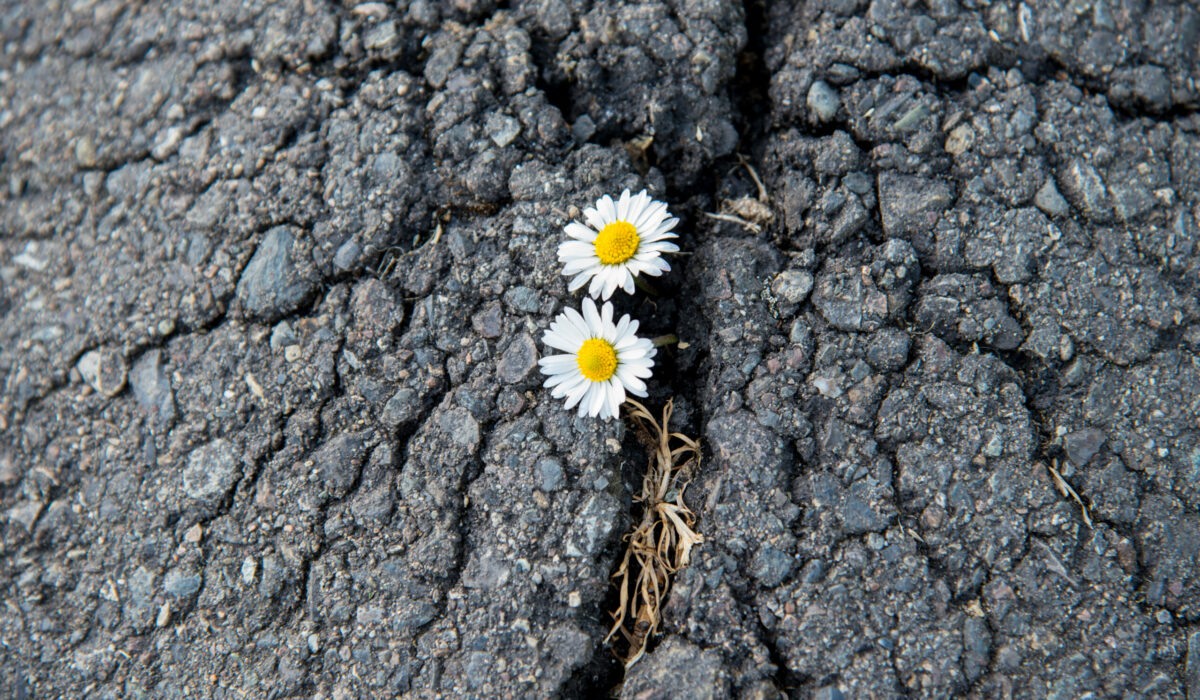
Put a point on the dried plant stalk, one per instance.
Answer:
(662, 542)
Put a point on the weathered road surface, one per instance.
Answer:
(273, 275)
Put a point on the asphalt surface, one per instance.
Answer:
(273, 277)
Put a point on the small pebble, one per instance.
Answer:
(823, 100)
(249, 570)
(164, 615)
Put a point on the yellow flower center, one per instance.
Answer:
(617, 242)
(597, 359)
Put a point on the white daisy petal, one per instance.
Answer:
(577, 397)
(657, 247)
(558, 364)
(576, 319)
(592, 215)
(577, 387)
(631, 382)
(582, 397)
(596, 396)
(640, 372)
(642, 200)
(650, 216)
(634, 357)
(570, 331)
(567, 385)
(608, 209)
(579, 280)
(658, 230)
(597, 285)
(576, 266)
(575, 249)
(591, 315)
(611, 282)
(580, 232)
(561, 341)
(616, 396)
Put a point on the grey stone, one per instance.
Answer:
(554, 16)
(550, 474)
(382, 36)
(859, 518)
(1050, 201)
(25, 513)
(677, 669)
(792, 286)
(488, 571)
(960, 140)
(858, 182)
(1085, 189)
(347, 255)
(829, 692)
(339, 462)
(141, 593)
(518, 360)
(502, 129)
(182, 583)
(461, 426)
(771, 566)
(594, 524)
(10, 471)
(401, 409)
(489, 321)
(442, 60)
(249, 570)
(104, 370)
(522, 299)
(151, 387)
(479, 667)
(977, 646)
(1153, 87)
(85, 152)
(274, 282)
(910, 204)
(583, 129)
(823, 100)
(282, 336)
(211, 471)
(1082, 445)
(888, 350)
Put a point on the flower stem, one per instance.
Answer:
(668, 339)
(641, 283)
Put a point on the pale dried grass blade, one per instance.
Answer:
(662, 542)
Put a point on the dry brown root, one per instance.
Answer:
(662, 542)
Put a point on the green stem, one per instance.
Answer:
(641, 283)
(669, 339)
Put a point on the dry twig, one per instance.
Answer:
(1065, 489)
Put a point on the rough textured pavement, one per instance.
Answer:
(272, 276)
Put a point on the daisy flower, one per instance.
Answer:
(622, 239)
(603, 361)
